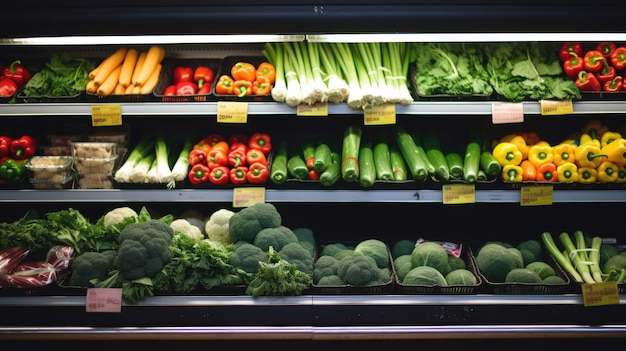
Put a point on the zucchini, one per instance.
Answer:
(455, 165)
(278, 170)
(308, 153)
(297, 167)
(422, 154)
(333, 172)
(398, 166)
(321, 157)
(382, 161)
(411, 154)
(367, 169)
(482, 176)
(471, 162)
(489, 164)
(436, 156)
(350, 154)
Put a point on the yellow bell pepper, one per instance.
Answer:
(607, 172)
(609, 137)
(520, 142)
(621, 174)
(589, 155)
(595, 128)
(586, 138)
(512, 173)
(563, 153)
(616, 151)
(507, 153)
(587, 175)
(567, 172)
(539, 154)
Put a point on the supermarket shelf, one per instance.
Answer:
(427, 108)
(295, 196)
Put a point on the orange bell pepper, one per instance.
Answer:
(261, 86)
(243, 71)
(224, 85)
(266, 69)
(546, 172)
(242, 88)
(529, 172)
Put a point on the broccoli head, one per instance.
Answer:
(247, 257)
(360, 270)
(306, 239)
(324, 266)
(296, 254)
(277, 237)
(144, 249)
(330, 280)
(248, 222)
(91, 265)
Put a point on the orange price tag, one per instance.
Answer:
(248, 196)
(104, 300)
(507, 112)
(106, 115)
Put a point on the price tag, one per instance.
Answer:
(248, 196)
(598, 294)
(232, 112)
(104, 300)
(317, 109)
(536, 195)
(507, 112)
(459, 194)
(106, 115)
(556, 107)
(380, 114)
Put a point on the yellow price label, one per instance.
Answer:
(106, 115)
(380, 114)
(507, 112)
(536, 195)
(248, 196)
(232, 112)
(317, 109)
(601, 293)
(459, 194)
(556, 107)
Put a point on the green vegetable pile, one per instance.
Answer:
(62, 76)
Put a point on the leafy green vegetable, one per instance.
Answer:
(63, 75)
(277, 277)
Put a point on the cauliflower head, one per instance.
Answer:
(118, 215)
(217, 226)
(185, 227)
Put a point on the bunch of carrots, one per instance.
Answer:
(127, 71)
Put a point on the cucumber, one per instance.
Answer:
(489, 164)
(333, 172)
(321, 157)
(471, 162)
(350, 154)
(436, 156)
(455, 165)
(398, 166)
(411, 154)
(430, 167)
(382, 161)
(308, 153)
(482, 176)
(297, 167)
(278, 170)
(367, 169)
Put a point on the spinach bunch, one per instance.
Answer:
(63, 75)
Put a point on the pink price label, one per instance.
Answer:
(104, 300)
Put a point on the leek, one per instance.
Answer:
(141, 150)
(338, 89)
(181, 166)
(164, 172)
(275, 56)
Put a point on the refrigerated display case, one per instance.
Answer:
(193, 28)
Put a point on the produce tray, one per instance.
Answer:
(525, 288)
(349, 289)
(450, 289)
(121, 98)
(417, 95)
(225, 67)
(603, 95)
(166, 79)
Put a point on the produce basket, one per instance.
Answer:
(449, 289)
(166, 80)
(525, 288)
(225, 68)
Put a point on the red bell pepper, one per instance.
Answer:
(186, 88)
(546, 172)
(220, 175)
(258, 173)
(17, 73)
(5, 146)
(170, 90)
(587, 81)
(606, 48)
(213, 139)
(217, 158)
(202, 76)
(618, 58)
(206, 89)
(238, 138)
(255, 156)
(607, 73)
(8, 87)
(573, 65)
(593, 61)
(616, 84)
(23, 148)
(237, 157)
(261, 141)
(199, 174)
(569, 47)
(182, 74)
(198, 157)
(238, 175)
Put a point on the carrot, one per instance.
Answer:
(109, 65)
(138, 65)
(106, 88)
(119, 89)
(153, 57)
(152, 80)
(128, 67)
(91, 87)
(93, 72)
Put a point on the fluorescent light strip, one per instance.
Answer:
(152, 39)
(464, 37)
